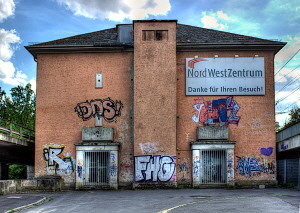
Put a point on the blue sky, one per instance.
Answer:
(24, 21)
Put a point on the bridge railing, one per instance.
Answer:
(17, 131)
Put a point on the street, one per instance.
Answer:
(176, 200)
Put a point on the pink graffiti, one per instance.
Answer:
(222, 111)
(106, 108)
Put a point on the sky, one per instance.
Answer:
(25, 21)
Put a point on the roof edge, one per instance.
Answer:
(185, 47)
(181, 47)
(155, 20)
(34, 50)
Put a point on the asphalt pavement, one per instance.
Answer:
(12, 201)
(172, 200)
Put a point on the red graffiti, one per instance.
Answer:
(221, 111)
(191, 63)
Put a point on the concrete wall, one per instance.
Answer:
(64, 83)
(15, 186)
(254, 132)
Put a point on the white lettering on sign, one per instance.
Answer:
(225, 76)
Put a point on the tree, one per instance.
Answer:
(17, 171)
(20, 107)
(294, 118)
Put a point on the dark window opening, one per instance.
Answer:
(155, 35)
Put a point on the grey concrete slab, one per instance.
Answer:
(177, 200)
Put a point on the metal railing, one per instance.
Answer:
(17, 131)
(96, 169)
(213, 166)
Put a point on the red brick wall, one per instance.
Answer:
(255, 130)
(155, 90)
(63, 80)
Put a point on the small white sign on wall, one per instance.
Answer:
(225, 76)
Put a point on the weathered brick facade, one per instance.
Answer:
(143, 99)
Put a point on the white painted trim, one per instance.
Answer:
(98, 148)
(212, 146)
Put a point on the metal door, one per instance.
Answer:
(96, 167)
(213, 166)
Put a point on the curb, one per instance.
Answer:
(39, 202)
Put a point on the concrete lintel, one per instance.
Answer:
(212, 146)
(212, 133)
(98, 148)
(97, 134)
(213, 142)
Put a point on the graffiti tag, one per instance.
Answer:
(247, 166)
(222, 111)
(154, 168)
(148, 148)
(266, 151)
(52, 156)
(114, 167)
(106, 108)
(254, 166)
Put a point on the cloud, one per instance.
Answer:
(212, 20)
(9, 41)
(222, 15)
(236, 24)
(117, 10)
(290, 49)
(289, 76)
(7, 8)
(33, 84)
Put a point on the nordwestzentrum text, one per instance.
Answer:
(226, 73)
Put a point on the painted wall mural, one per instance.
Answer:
(230, 166)
(184, 167)
(196, 165)
(222, 111)
(266, 151)
(79, 168)
(56, 161)
(149, 148)
(113, 165)
(155, 168)
(251, 166)
(110, 110)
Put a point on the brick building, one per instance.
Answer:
(156, 103)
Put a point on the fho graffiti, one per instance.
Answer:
(106, 108)
(222, 111)
(155, 168)
(58, 162)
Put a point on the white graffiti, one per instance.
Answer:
(198, 108)
(154, 168)
(54, 160)
(148, 148)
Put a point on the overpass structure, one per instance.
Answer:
(16, 147)
(288, 156)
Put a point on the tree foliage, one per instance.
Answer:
(17, 171)
(19, 107)
(293, 119)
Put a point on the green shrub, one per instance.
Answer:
(17, 171)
